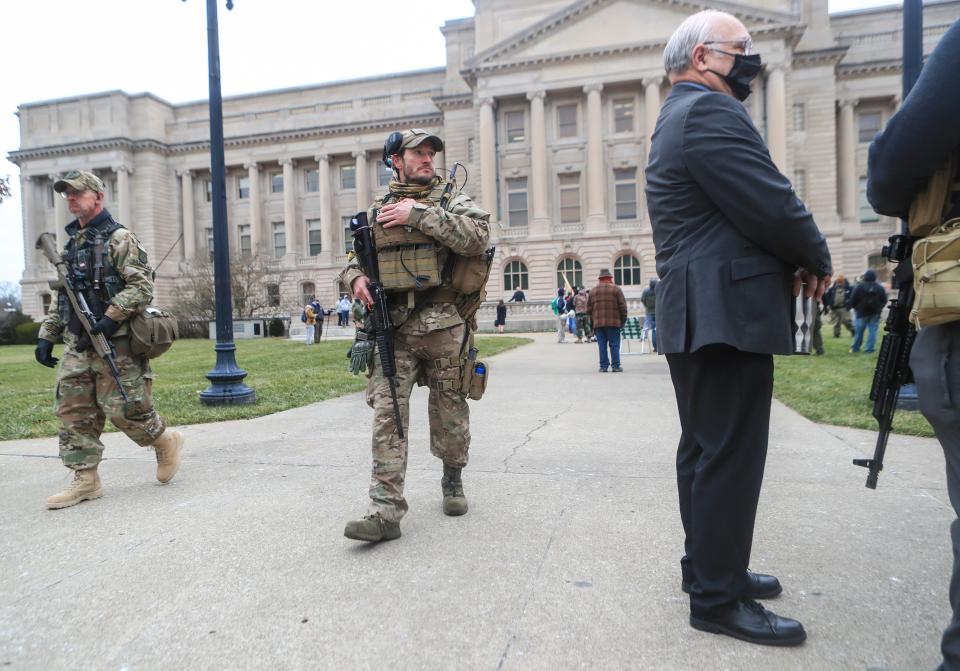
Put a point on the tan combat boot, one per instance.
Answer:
(168, 447)
(85, 487)
(454, 502)
(372, 529)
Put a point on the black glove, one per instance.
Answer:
(106, 326)
(44, 353)
(83, 343)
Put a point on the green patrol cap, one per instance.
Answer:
(417, 136)
(81, 180)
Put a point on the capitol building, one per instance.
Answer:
(549, 104)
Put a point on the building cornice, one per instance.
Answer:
(819, 57)
(20, 157)
(446, 103)
(869, 69)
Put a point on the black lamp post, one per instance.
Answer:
(226, 378)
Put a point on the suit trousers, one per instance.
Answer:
(723, 398)
(935, 362)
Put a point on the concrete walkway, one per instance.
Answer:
(568, 557)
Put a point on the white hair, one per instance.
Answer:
(695, 29)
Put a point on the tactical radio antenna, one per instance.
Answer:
(452, 184)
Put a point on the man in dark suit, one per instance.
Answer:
(732, 239)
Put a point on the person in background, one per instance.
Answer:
(501, 316)
(608, 312)
(343, 311)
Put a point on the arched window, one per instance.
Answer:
(515, 276)
(571, 270)
(626, 270)
(307, 292)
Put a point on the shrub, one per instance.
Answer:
(275, 330)
(26, 333)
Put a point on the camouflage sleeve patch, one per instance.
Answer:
(52, 327)
(464, 228)
(130, 260)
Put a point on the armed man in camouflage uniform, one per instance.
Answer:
(109, 264)
(430, 335)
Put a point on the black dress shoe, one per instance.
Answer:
(751, 622)
(761, 586)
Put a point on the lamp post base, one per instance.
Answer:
(226, 380)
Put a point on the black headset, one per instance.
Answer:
(392, 146)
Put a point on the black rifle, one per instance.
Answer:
(47, 244)
(379, 311)
(893, 362)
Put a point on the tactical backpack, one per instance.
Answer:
(874, 299)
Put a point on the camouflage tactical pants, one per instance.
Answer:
(87, 394)
(430, 358)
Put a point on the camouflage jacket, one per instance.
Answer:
(462, 228)
(129, 259)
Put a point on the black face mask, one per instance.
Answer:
(745, 69)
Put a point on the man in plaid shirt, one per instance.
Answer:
(608, 311)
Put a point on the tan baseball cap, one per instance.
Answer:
(81, 180)
(417, 136)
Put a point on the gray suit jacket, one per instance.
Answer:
(729, 230)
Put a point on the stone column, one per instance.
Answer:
(327, 220)
(488, 159)
(777, 117)
(256, 220)
(31, 225)
(363, 180)
(123, 197)
(189, 227)
(60, 215)
(539, 222)
(847, 159)
(596, 184)
(291, 226)
(651, 107)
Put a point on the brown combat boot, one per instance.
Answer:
(168, 447)
(372, 529)
(454, 502)
(85, 487)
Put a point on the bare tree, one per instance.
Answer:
(249, 278)
(5, 191)
(9, 297)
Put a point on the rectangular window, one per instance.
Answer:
(348, 177)
(276, 182)
(210, 242)
(273, 295)
(244, 232)
(384, 174)
(207, 190)
(517, 201)
(243, 187)
(347, 235)
(566, 121)
(313, 236)
(867, 215)
(514, 124)
(800, 183)
(569, 197)
(799, 117)
(623, 115)
(114, 196)
(625, 192)
(868, 124)
(49, 192)
(279, 239)
(312, 178)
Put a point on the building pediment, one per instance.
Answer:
(592, 26)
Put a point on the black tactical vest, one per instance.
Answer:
(90, 269)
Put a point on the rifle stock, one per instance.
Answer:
(379, 310)
(47, 244)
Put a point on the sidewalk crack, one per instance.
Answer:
(531, 591)
(529, 436)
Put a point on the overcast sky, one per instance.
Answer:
(55, 48)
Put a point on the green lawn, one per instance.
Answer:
(834, 388)
(285, 374)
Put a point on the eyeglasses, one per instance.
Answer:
(746, 46)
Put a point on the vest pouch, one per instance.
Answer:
(473, 381)
(408, 259)
(152, 332)
(936, 276)
(469, 273)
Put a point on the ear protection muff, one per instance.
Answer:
(391, 147)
